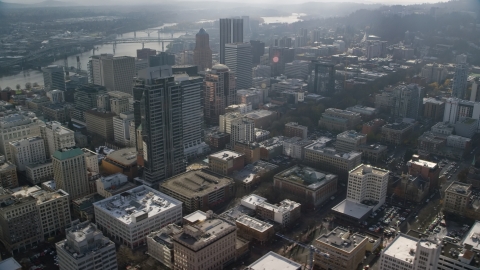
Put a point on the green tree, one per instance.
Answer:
(28, 86)
(18, 86)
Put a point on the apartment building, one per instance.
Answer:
(250, 150)
(457, 197)
(39, 172)
(345, 249)
(226, 162)
(207, 242)
(250, 228)
(426, 169)
(132, 215)
(85, 247)
(295, 147)
(350, 140)
(199, 189)
(306, 185)
(293, 129)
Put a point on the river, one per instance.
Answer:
(122, 49)
(295, 17)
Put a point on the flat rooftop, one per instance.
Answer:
(197, 216)
(350, 134)
(342, 238)
(306, 176)
(237, 212)
(196, 183)
(258, 114)
(402, 247)
(352, 209)
(10, 264)
(41, 195)
(284, 206)
(366, 169)
(274, 261)
(124, 156)
(226, 155)
(254, 223)
(460, 188)
(397, 126)
(473, 237)
(421, 162)
(320, 147)
(136, 202)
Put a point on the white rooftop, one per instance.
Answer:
(196, 217)
(226, 155)
(254, 223)
(351, 208)
(253, 199)
(136, 202)
(273, 261)
(10, 264)
(473, 236)
(401, 248)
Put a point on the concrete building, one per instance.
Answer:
(191, 246)
(433, 108)
(100, 123)
(238, 57)
(466, 127)
(202, 54)
(285, 213)
(350, 141)
(122, 161)
(460, 78)
(199, 189)
(273, 261)
(10, 264)
(368, 185)
(242, 129)
(225, 121)
(261, 71)
(117, 102)
(434, 73)
(366, 112)
(85, 247)
(295, 147)
(85, 98)
(121, 128)
(114, 72)
(56, 137)
(373, 126)
(132, 215)
(319, 155)
(442, 129)
(426, 169)
(345, 249)
(226, 162)
(250, 228)
(396, 133)
(54, 78)
(39, 172)
(293, 129)
(339, 120)
(231, 31)
(144, 53)
(278, 57)
(8, 174)
(298, 69)
(250, 150)
(271, 148)
(158, 109)
(70, 172)
(306, 185)
(56, 96)
(254, 97)
(52, 206)
(219, 92)
(57, 112)
(373, 153)
(457, 109)
(15, 127)
(28, 151)
(253, 173)
(160, 244)
(475, 94)
(113, 184)
(457, 197)
(19, 221)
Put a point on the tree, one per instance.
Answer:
(35, 84)
(28, 86)
(124, 255)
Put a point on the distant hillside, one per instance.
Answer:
(48, 3)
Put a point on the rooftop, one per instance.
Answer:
(402, 248)
(102, 114)
(164, 235)
(237, 212)
(367, 169)
(41, 195)
(256, 169)
(196, 183)
(283, 207)
(306, 176)
(320, 147)
(467, 121)
(258, 114)
(124, 156)
(460, 188)
(342, 238)
(273, 261)
(473, 237)
(226, 155)
(397, 126)
(197, 216)
(9, 264)
(67, 153)
(351, 134)
(352, 209)
(420, 162)
(254, 223)
(136, 204)
(433, 100)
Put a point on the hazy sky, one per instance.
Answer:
(406, 2)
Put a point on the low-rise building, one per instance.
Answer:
(252, 174)
(427, 169)
(132, 215)
(85, 247)
(326, 158)
(199, 189)
(373, 153)
(262, 118)
(113, 184)
(10, 264)
(273, 261)
(373, 126)
(271, 148)
(8, 174)
(339, 120)
(57, 112)
(295, 147)
(366, 112)
(226, 162)
(293, 129)
(306, 185)
(457, 197)
(350, 140)
(160, 244)
(285, 213)
(122, 161)
(250, 150)
(396, 133)
(442, 129)
(345, 249)
(39, 172)
(466, 127)
(251, 228)
(100, 123)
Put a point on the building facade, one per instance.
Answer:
(70, 172)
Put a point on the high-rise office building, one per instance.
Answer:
(324, 78)
(115, 73)
(192, 114)
(145, 53)
(158, 109)
(56, 137)
(86, 97)
(219, 92)
(54, 78)
(231, 31)
(246, 26)
(202, 54)
(279, 56)
(459, 86)
(238, 57)
(408, 101)
(258, 50)
(121, 128)
(161, 59)
(368, 183)
(70, 172)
